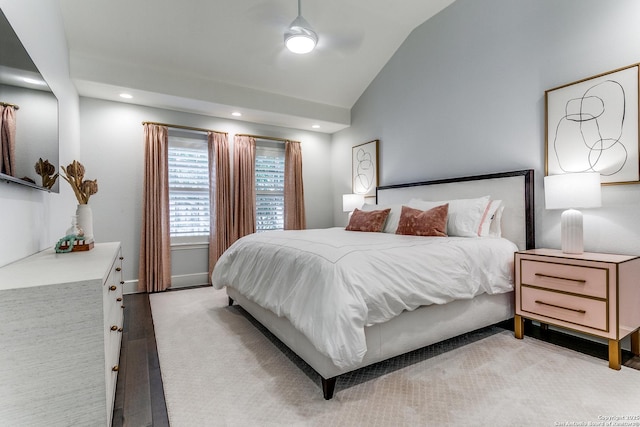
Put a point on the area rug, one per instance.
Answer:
(220, 368)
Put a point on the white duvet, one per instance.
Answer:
(331, 283)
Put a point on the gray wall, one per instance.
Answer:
(465, 95)
(112, 152)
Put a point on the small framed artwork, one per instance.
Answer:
(364, 168)
(592, 126)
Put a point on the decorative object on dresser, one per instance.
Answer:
(590, 293)
(74, 239)
(592, 126)
(61, 319)
(83, 189)
(570, 191)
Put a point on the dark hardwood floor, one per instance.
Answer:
(140, 395)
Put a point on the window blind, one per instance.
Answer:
(189, 207)
(269, 171)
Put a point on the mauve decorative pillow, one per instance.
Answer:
(372, 221)
(416, 222)
(464, 214)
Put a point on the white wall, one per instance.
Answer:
(465, 95)
(31, 220)
(112, 152)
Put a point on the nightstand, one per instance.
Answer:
(592, 293)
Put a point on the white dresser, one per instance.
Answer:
(61, 318)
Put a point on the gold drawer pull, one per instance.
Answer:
(581, 281)
(121, 258)
(113, 287)
(118, 299)
(122, 307)
(114, 328)
(118, 269)
(559, 306)
(119, 329)
(115, 368)
(122, 282)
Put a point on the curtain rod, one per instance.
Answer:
(6, 104)
(183, 127)
(271, 138)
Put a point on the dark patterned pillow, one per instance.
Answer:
(367, 221)
(416, 222)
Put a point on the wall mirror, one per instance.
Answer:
(33, 119)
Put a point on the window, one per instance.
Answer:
(188, 187)
(269, 185)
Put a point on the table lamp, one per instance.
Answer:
(351, 202)
(570, 191)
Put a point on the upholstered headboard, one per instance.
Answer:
(514, 188)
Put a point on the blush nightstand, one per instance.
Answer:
(593, 293)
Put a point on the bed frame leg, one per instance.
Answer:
(230, 301)
(328, 387)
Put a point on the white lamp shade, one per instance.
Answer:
(351, 202)
(568, 191)
(572, 190)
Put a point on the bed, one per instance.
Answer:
(334, 329)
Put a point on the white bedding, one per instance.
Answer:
(331, 283)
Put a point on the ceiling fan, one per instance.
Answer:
(300, 37)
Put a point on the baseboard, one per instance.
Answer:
(180, 281)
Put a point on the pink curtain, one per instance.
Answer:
(7, 140)
(294, 214)
(155, 245)
(220, 230)
(244, 188)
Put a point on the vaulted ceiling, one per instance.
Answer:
(218, 56)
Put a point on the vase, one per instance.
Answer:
(85, 221)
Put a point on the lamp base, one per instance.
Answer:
(572, 237)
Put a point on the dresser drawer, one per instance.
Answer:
(581, 280)
(588, 312)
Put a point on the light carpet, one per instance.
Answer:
(220, 368)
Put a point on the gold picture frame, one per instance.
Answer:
(592, 126)
(364, 168)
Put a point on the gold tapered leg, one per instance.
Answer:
(518, 326)
(615, 354)
(635, 342)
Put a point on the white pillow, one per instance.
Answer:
(495, 230)
(487, 218)
(464, 217)
(391, 225)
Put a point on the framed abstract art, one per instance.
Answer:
(364, 168)
(592, 126)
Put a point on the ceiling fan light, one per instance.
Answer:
(300, 38)
(300, 44)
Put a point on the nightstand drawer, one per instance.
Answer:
(588, 312)
(591, 281)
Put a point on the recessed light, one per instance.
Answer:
(236, 114)
(316, 126)
(126, 96)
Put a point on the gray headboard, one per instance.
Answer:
(514, 188)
